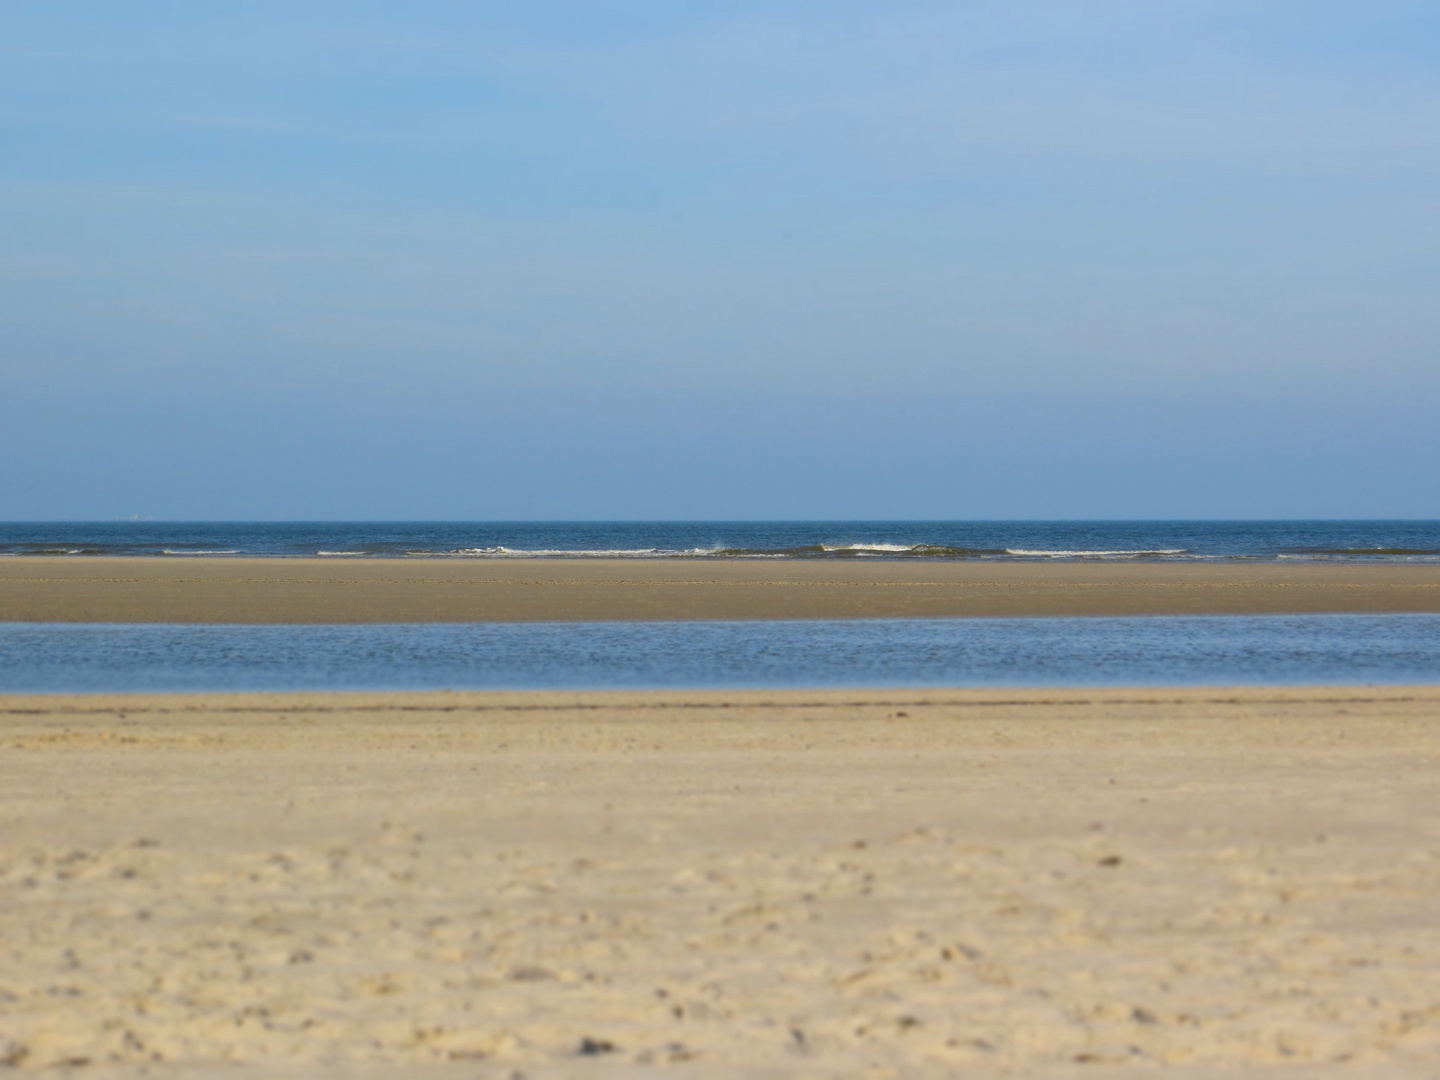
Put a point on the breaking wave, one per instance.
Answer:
(1358, 552)
(1121, 553)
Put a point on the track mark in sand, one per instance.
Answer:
(702, 706)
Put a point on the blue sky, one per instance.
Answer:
(719, 260)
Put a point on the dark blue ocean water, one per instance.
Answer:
(1171, 650)
(1369, 541)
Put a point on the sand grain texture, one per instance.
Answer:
(724, 884)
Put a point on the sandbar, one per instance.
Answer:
(839, 883)
(314, 590)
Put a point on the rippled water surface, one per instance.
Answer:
(1171, 650)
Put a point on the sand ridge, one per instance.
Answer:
(836, 883)
(315, 590)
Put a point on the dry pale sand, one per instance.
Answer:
(220, 590)
(900, 884)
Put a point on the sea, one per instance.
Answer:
(770, 654)
(1360, 541)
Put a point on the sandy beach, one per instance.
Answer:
(723, 884)
(309, 590)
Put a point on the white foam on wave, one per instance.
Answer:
(871, 549)
(502, 552)
(1326, 556)
(554, 553)
(167, 551)
(1084, 554)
